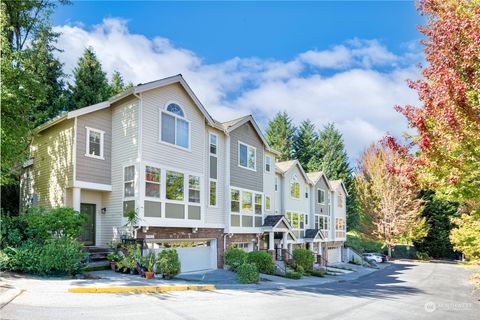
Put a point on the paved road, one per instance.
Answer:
(401, 291)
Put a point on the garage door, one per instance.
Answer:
(334, 255)
(193, 255)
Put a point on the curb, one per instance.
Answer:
(9, 295)
(143, 289)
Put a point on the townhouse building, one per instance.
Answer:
(198, 185)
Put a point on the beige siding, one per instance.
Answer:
(291, 204)
(241, 177)
(124, 151)
(87, 168)
(52, 152)
(153, 102)
(216, 215)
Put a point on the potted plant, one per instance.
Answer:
(168, 263)
(114, 258)
(150, 265)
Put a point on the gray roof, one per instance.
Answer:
(271, 221)
(311, 233)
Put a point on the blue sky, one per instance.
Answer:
(345, 62)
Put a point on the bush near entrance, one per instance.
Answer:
(248, 273)
(262, 260)
(303, 258)
(234, 258)
(168, 263)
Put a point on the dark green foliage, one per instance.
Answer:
(293, 275)
(421, 255)
(299, 269)
(262, 260)
(280, 134)
(355, 241)
(168, 263)
(90, 82)
(303, 258)
(234, 258)
(438, 214)
(62, 255)
(117, 85)
(401, 251)
(317, 273)
(248, 273)
(305, 143)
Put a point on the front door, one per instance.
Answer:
(88, 236)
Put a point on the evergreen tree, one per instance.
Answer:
(439, 215)
(117, 85)
(331, 157)
(305, 142)
(91, 85)
(280, 134)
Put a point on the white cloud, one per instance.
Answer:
(353, 94)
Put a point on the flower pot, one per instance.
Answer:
(113, 265)
(149, 275)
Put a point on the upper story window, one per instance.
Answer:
(247, 156)
(340, 228)
(174, 186)
(294, 188)
(175, 129)
(268, 164)
(340, 199)
(129, 181)
(213, 144)
(320, 196)
(298, 221)
(276, 184)
(94, 143)
(267, 203)
(152, 182)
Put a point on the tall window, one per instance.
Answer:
(235, 201)
(174, 186)
(321, 196)
(194, 189)
(294, 187)
(94, 143)
(213, 144)
(247, 156)
(267, 203)
(340, 199)
(175, 129)
(213, 193)
(152, 182)
(247, 201)
(340, 228)
(322, 222)
(268, 164)
(129, 181)
(276, 184)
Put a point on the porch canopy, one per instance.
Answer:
(278, 223)
(314, 235)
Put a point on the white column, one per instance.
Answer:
(319, 249)
(311, 246)
(76, 194)
(270, 241)
(284, 240)
(290, 248)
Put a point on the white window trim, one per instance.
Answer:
(294, 178)
(265, 197)
(102, 138)
(176, 116)
(209, 143)
(244, 213)
(238, 154)
(134, 182)
(216, 193)
(305, 220)
(154, 199)
(268, 171)
(324, 196)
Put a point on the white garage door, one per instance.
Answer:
(193, 255)
(334, 255)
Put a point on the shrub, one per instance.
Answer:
(247, 273)
(13, 230)
(168, 263)
(299, 269)
(234, 258)
(25, 258)
(317, 273)
(421, 255)
(293, 275)
(5, 261)
(355, 240)
(262, 260)
(303, 258)
(61, 256)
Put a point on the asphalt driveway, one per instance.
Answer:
(404, 290)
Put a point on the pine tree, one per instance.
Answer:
(280, 134)
(117, 85)
(91, 85)
(305, 142)
(331, 158)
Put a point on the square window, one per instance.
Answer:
(247, 156)
(94, 143)
(174, 186)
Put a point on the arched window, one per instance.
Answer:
(174, 128)
(294, 187)
(175, 108)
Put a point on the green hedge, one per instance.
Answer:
(262, 260)
(293, 275)
(168, 263)
(317, 273)
(303, 258)
(248, 273)
(234, 258)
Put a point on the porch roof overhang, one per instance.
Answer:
(278, 223)
(314, 235)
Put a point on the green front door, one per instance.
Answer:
(88, 236)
